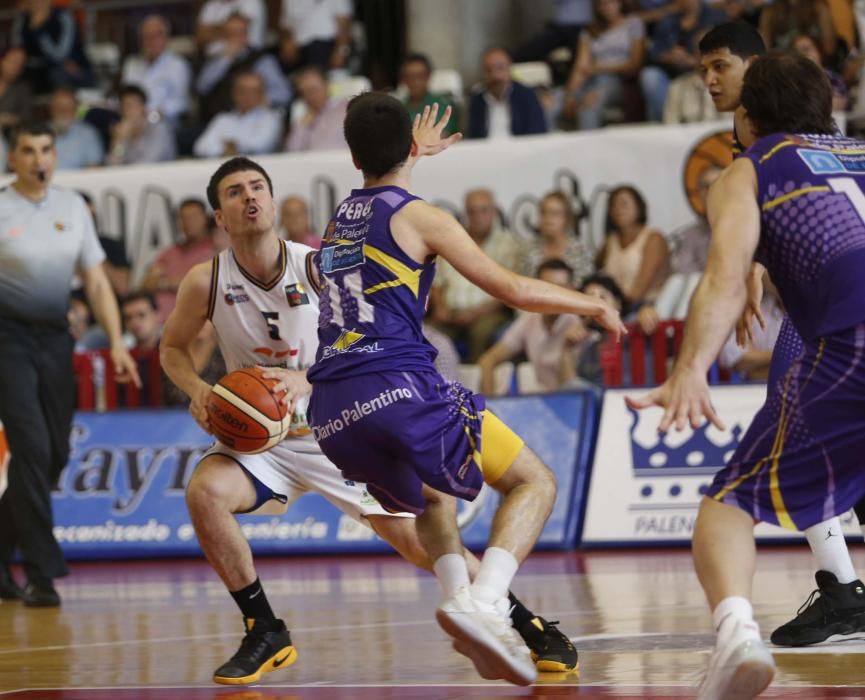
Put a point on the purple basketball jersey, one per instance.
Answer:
(812, 238)
(373, 295)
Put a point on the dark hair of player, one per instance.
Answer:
(556, 265)
(378, 130)
(147, 297)
(30, 129)
(238, 164)
(740, 37)
(786, 92)
(639, 200)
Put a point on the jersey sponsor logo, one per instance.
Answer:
(296, 295)
(822, 162)
(360, 410)
(60, 226)
(346, 340)
(354, 210)
(329, 232)
(232, 299)
(331, 351)
(343, 256)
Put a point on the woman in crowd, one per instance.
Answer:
(634, 255)
(557, 238)
(612, 49)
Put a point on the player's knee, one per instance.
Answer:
(206, 491)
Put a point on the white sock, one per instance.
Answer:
(732, 609)
(830, 549)
(498, 568)
(452, 572)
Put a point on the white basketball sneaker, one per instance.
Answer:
(741, 666)
(484, 633)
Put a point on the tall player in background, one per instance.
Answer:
(260, 295)
(383, 414)
(796, 201)
(726, 52)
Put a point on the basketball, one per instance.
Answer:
(244, 412)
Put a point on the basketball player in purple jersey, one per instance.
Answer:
(839, 610)
(382, 413)
(795, 202)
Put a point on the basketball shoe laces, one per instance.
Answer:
(815, 601)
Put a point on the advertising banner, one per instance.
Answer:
(646, 488)
(122, 494)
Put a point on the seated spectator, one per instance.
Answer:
(140, 137)
(315, 33)
(141, 320)
(652, 11)
(77, 143)
(674, 52)
(86, 334)
(588, 368)
(320, 126)
(117, 267)
(249, 129)
(805, 45)
(294, 220)
(612, 49)
(415, 73)
(55, 51)
(460, 309)
(216, 80)
(563, 31)
(503, 107)
(552, 343)
(16, 98)
(783, 20)
(753, 360)
(690, 246)
(210, 28)
(162, 74)
(633, 254)
(195, 246)
(557, 239)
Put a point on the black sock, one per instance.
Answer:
(252, 602)
(520, 614)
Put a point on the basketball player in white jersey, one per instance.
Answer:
(260, 295)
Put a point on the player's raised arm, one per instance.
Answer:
(181, 329)
(443, 235)
(734, 216)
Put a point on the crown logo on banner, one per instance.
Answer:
(697, 455)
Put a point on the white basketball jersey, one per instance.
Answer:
(270, 325)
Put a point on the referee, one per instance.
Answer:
(46, 236)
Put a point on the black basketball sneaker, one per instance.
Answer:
(266, 647)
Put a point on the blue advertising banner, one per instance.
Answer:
(122, 494)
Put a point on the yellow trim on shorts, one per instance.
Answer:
(499, 447)
(784, 519)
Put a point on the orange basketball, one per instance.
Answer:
(244, 412)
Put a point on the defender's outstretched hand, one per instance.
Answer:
(685, 399)
(427, 132)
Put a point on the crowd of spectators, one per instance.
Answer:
(247, 87)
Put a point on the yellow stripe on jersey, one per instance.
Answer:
(777, 148)
(772, 203)
(404, 274)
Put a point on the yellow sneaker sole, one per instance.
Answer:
(283, 658)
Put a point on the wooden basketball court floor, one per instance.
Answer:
(364, 628)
